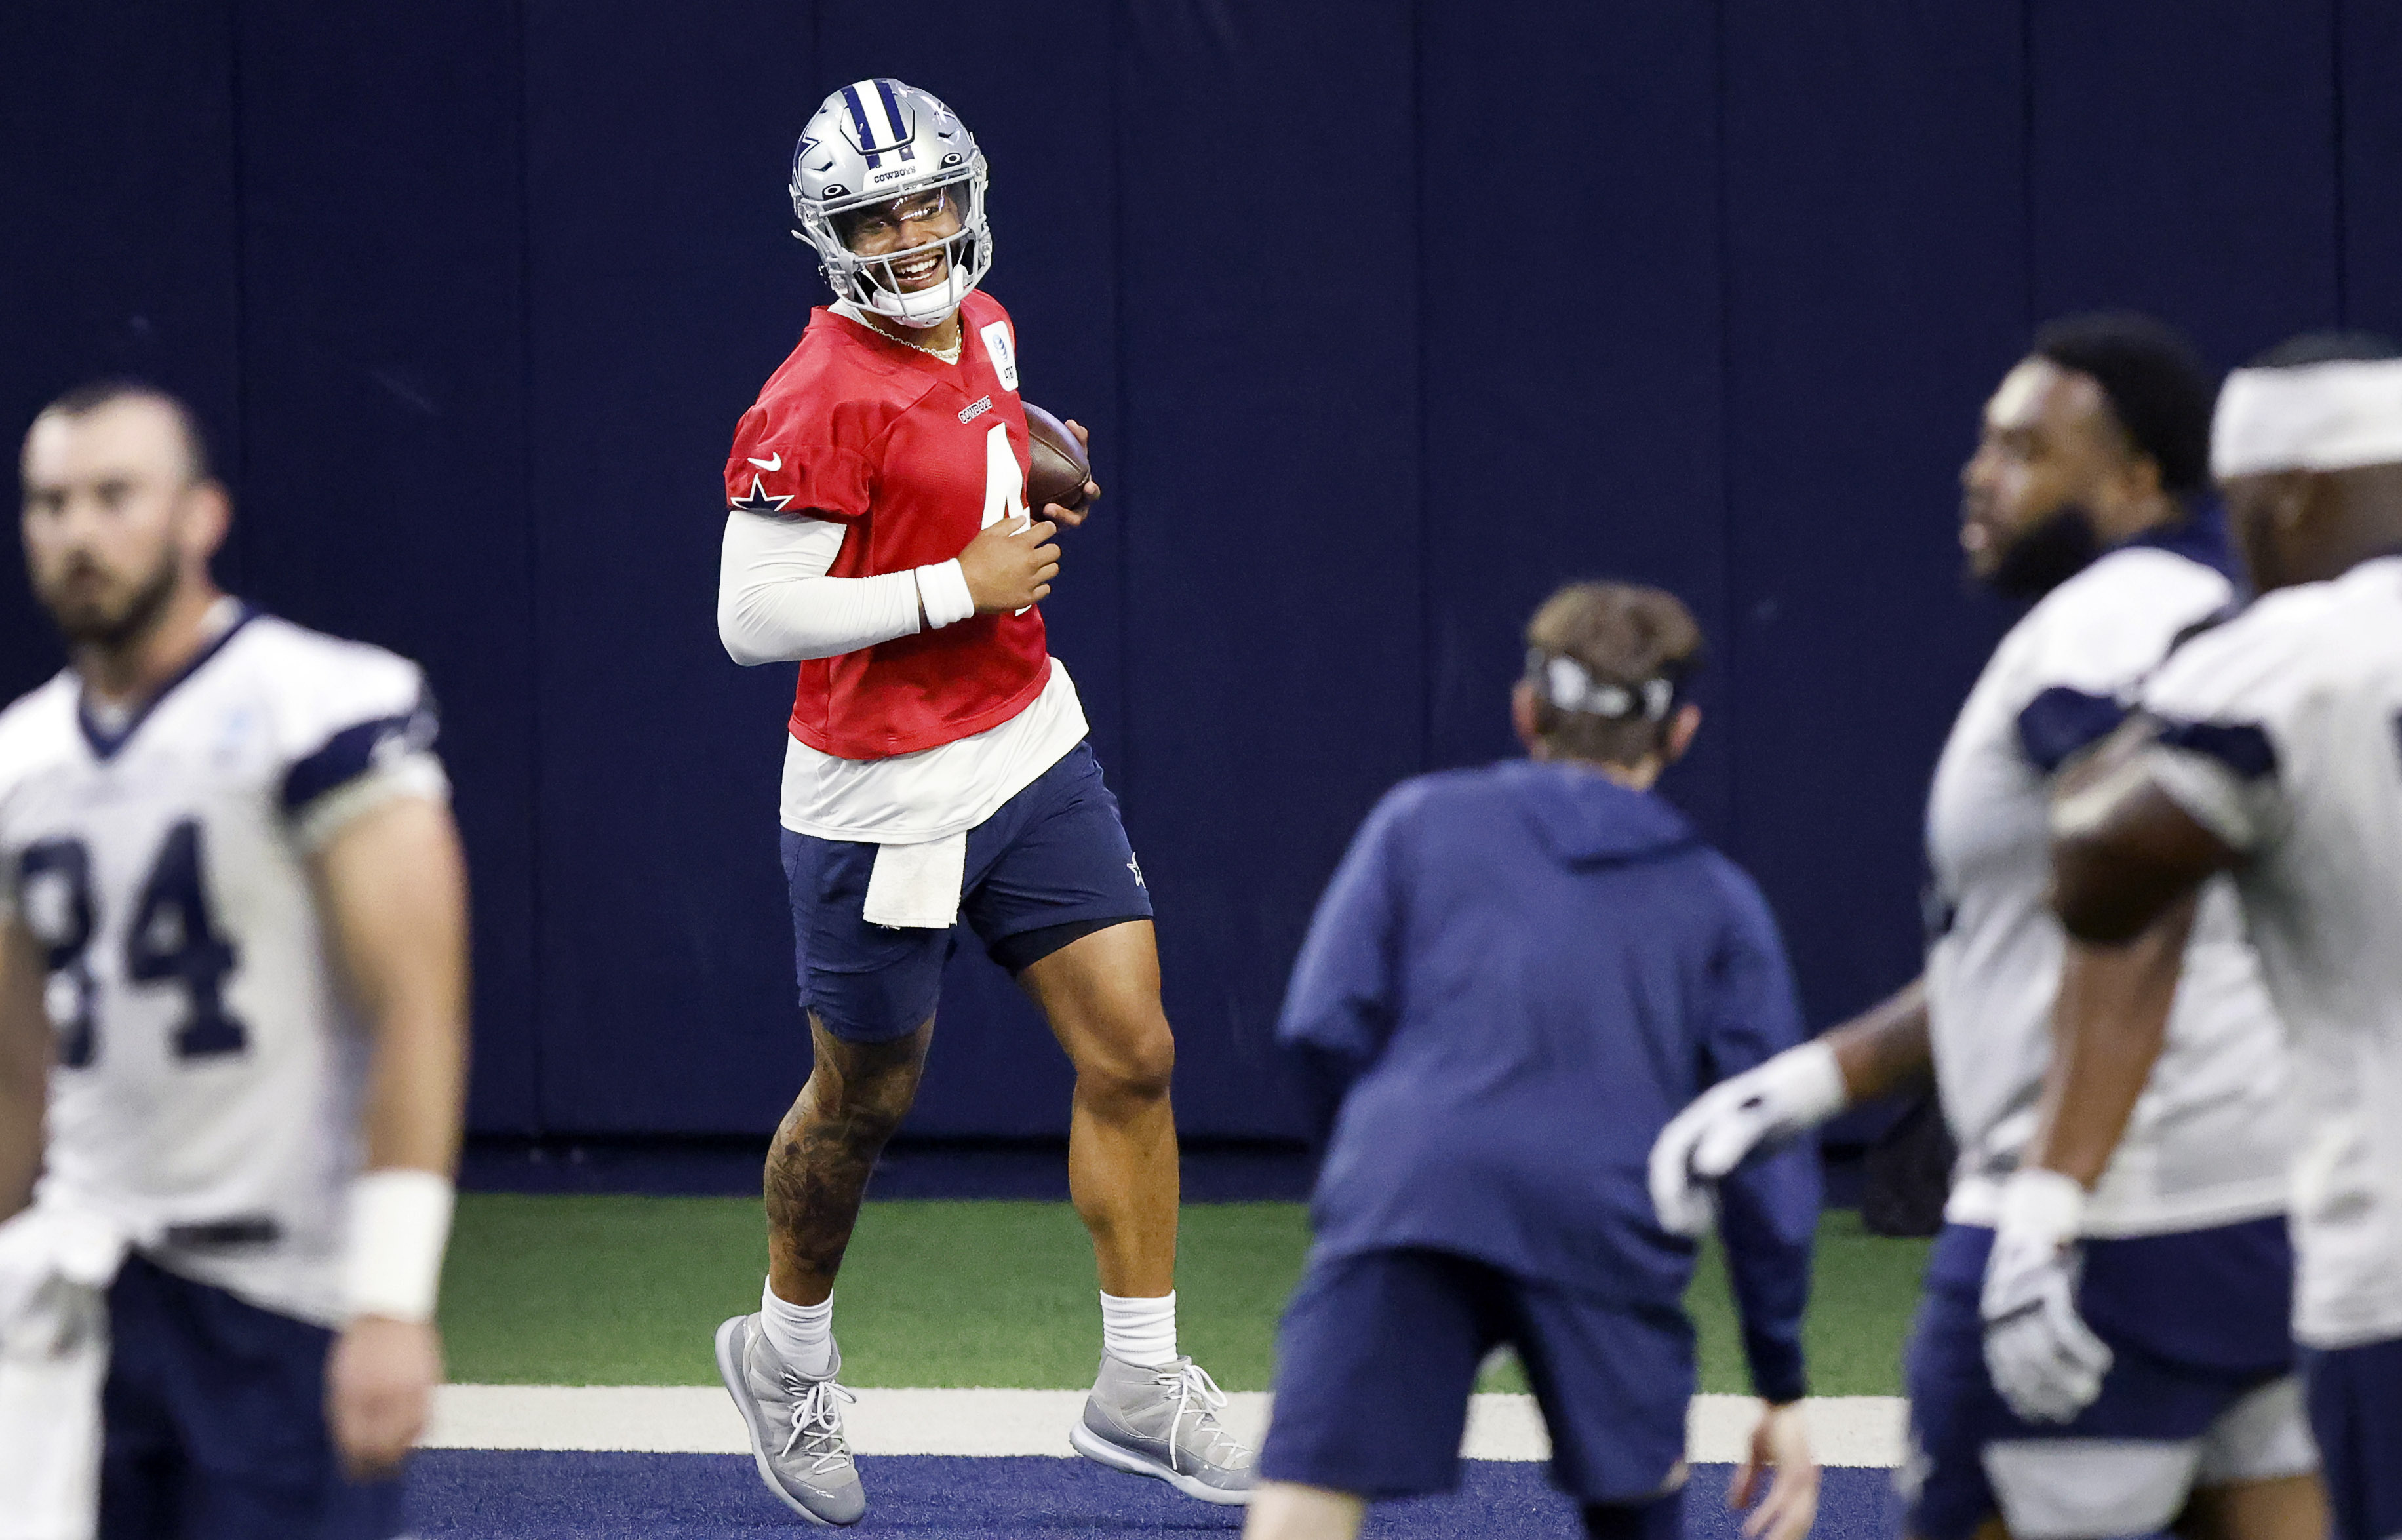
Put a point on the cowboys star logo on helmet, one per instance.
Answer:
(878, 153)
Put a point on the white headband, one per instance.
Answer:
(2314, 417)
(1568, 685)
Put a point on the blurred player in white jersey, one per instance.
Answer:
(2271, 747)
(2102, 1350)
(232, 1027)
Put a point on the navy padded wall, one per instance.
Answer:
(1573, 353)
(1876, 290)
(2182, 163)
(661, 290)
(2368, 147)
(119, 214)
(1269, 354)
(386, 456)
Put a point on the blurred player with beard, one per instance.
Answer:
(2270, 748)
(935, 770)
(232, 1026)
(2103, 1348)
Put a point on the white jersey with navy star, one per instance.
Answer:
(209, 1079)
(2208, 1142)
(2283, 730)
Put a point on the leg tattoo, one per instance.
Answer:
(824, 1150)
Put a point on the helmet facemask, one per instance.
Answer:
(880, 281)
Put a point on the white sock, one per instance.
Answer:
(1142, 1332)
(802, 1334)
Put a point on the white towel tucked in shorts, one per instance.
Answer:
(916, 887)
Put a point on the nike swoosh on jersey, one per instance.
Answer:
(774, 461)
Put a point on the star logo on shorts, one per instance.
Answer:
(759, 502)
(1135, 866)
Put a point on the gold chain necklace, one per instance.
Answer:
(948, 355)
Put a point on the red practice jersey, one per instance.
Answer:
(915, 456)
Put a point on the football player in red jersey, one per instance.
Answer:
(936, 771)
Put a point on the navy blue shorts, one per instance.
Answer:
(214, 1422)
(2355, 1397)
(1379, 1351)
(1052, 865)
(2199, 1389)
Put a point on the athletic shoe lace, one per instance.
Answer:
(1198, 1397)
(817, 1421)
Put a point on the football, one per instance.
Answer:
(1060, 470)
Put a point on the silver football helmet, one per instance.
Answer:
(874, 144)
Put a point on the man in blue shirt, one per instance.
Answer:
(1517, 976)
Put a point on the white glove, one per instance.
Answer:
(54, 1267)
(49, 1256)
(2044, 1361)
(1790, 1094)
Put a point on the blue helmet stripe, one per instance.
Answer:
(867, 140)
(893, 115)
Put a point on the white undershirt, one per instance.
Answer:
(909, 798)
(775, 603)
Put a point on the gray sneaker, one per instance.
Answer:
(1163, 1423)
(795, 1426)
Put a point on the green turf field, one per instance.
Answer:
(623, 1290)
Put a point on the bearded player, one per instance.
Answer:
(233, 968)
(2102, 1349)
(936, 771)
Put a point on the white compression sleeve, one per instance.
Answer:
(776, 604)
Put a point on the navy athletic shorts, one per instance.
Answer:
(1051, 866)
(2200, 1389)
(2356, 1396)
(214, 1422)
(1379, 1351)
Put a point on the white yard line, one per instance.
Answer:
(1858, 1429)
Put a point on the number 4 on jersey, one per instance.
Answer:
(1004, 482)
(172, 937)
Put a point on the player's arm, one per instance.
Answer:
(1768, 1218)
(1884, 1048)
(24, 1063)
(1768, 1209)
(2109, 1021)
(2108, 1026)
(776, 603)
(392, 890)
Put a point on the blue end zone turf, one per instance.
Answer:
(530, 1496)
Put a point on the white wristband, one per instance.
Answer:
(2042, 1204)
(1814, 1082)
(399, 1222)
(943, 588)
